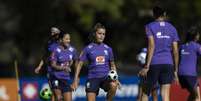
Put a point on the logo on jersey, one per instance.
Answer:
(184, 52)
(160, 36)
(106, 52)
(100, 60)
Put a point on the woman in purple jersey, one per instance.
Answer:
(141, 58)
(189, 52)
(51, 45)
(101, 61)
(61, 60)
(53, 39)
(160, 67)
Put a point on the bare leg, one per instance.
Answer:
(67, 96)
(91, 96)
(111, 93)
(165, 92)
(58, 95)
(154, 95)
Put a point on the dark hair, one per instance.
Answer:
(158, 11)
(191, 34)
(62, 34)
(96, 27)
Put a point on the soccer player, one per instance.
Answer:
(162, 59)
(141, 58)
(61, 60)
(51, 45)
(189, 52)
(101, 61)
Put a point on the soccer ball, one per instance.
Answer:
(141, 57)
(45, 94)
(112, 75)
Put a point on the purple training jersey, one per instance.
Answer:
(99, 57)
(63, 57)
(188, 58)
(164, 35)
(50, 48)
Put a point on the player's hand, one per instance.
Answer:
(143, 72)
(37, 70)
(74, 85)
(66, 69)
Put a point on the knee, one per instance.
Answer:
(113, 86)
(58, 98)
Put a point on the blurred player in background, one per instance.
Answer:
(162, 56)
(101, 61)
(189, 52)
(51, 45)
(141, 58)
(61, 60)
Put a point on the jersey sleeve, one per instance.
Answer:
(53, 55)
(111, 55)
(75, 55)
(175, 36)
(83, 55)
(199, 49)
(148, 31)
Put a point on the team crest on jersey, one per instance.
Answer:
(106, 52)
(100, 60)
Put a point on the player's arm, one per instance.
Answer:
(150, 51)
(112, 65)
(39, 66)
(53, 62)
(176, 55)
(79, 65)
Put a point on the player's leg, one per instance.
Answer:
(152, 78)
(66, 90)
(154, 94)
(198, 94)
(92, 89)
(58, 94)
(165, 92)
(54, 85)
(112, 90)
(140, 87)
(165, 79)
(139, 96)
(91, 96)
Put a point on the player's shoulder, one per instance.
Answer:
(58, 49)
(71, 48)
(89, 46)
(106, 46)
